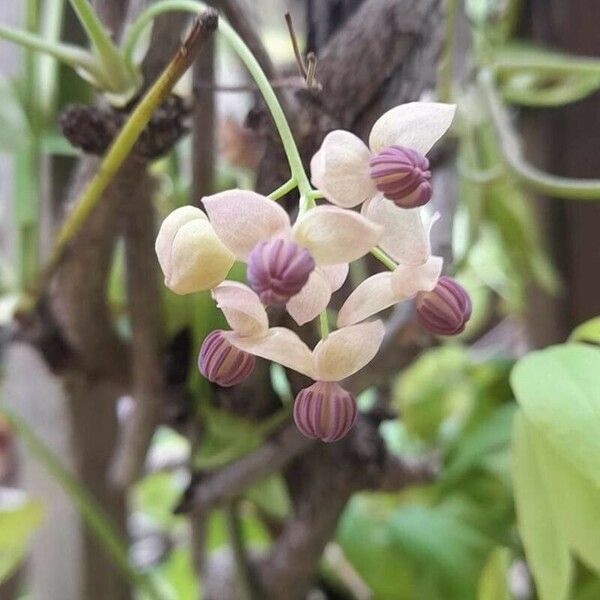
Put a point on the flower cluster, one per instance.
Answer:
(299, 265)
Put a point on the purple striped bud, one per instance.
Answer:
(324, 411)
(402, 175)
(446, 309)
(222, 363)
(278, 270)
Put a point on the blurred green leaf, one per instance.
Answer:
(559, 391)
(177, 577)
(19, 517)
(157, 495)
(490, 436)
(587, 332)
(271, 496)
(493, 583)
(542, 533)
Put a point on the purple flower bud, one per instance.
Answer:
(446, 309)
(324, 411)
(278, 270)
(222, 363)
(402, 175)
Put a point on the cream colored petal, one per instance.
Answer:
(242, 308)
(416, 125)
(340, 169)
(168, 230)
(371, 297)
(242, 219)
(279, 345)
(347, 350)
(405, 230)
(335, 235)
(408, 280)
(336, 275)
(199, 261)
(312, 299)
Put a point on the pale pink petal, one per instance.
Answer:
(336, 275)
(242, 219)
(347, 350)
(408, 280)
(405, 230)
(242, 308)
(340, 169)
(372, 296)
(279, 345)
(416, 125)
(312, 299)
(335, 235)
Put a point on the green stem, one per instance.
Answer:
(531, 176)
(507, 62)
(67, 53)
(324, 324)
(117, 77)
(382, 257)
(446, 70)
(91, 512)
(284, 189)
(246, 56)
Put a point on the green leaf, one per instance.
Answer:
(577, 502)
(542, 532)
(19, 517)
(493, 583)
(587, 332)
(271, 496)
(559, 391)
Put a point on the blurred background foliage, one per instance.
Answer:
(454, 539)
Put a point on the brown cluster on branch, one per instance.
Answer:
(93, 128)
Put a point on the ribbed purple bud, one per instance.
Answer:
(446, 309)
(402, 175)
(324, 411)
(278, 269)
(222, 363)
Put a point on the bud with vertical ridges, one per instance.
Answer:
(446, 309)
(278, 269)
(403, 176)
(222, 363)
(324, 411)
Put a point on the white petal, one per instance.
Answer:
(408, 280)
(335, 235)
(347, 350)
(372, 296)
(168, 230)
(312, 299)
(242, 308)
(336, 275)
(416, 125)
(198, 260)
(405, 230)
(340, 169)
(242, 219)
(279, 345)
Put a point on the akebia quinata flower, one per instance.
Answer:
(406, 241)
(324, 411)
(349, 172)
(333, 237)
(446, 309)
(190, 254)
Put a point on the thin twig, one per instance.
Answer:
(299, 60)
